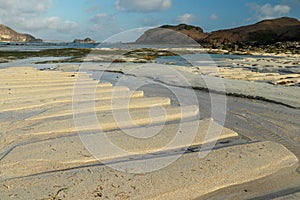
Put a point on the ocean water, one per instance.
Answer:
(195, 59)
(18, 46)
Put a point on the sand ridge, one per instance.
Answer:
(41, 144)
(231, 166)
(197, 77)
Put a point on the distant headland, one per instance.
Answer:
(262, 33)
(9, 35)
(86, 40)
(280, 33)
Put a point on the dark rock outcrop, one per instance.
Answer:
(9, 35)
(86, 40)
(172, 35)
(262, 33)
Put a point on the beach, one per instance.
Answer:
(226, 127)
(157, 99)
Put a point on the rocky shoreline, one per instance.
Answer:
(279, 48)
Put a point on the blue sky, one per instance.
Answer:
(99, 19)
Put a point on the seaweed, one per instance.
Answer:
(7, 56)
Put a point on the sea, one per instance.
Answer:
(188, 59)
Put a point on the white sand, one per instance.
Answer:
(260, 90)
(39, 139)
(187, 178)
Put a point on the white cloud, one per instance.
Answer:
(268, 11)
(25, 7)
(214, 17)
(45, 24)
(186, 18)
(142, 5)
(30, 16)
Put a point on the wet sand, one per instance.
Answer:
(276, 71)
(204, 78)
(58, 166)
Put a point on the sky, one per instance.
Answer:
(65, 20)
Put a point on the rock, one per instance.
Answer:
(9, 35)
(86, 40)
(262, 33)
(172, 35)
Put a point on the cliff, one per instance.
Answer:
(9, 35)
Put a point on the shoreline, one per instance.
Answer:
(80, 52)
(257, 113)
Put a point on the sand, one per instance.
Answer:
(187, 178)
(289, 197)
(49, 146)
(210, 80)
(44, 154)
